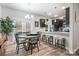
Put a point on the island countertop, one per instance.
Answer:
(57, 33)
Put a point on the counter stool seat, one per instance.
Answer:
(44, 38)
(57, 41)
(60, 42)
(50, 39)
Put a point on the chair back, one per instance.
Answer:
(44, 37)
(64, 40)
(16, 37)
(50, 38)
(26, 33)
(34, 39)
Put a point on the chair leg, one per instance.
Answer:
(17, 49)
(31, 49)
(52, 42)
(38, 47)
(25, 46)
(55, 42)
(39, 42)
(48, 40)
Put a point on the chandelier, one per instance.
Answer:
(29, 16)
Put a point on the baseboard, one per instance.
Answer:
(76, 49)
(69, 50)
(72, 51)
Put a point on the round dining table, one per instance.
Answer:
(27, 38)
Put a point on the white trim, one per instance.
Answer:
(72, 51)
(69, 50)
(75, 49)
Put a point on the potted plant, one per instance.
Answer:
(6, 27)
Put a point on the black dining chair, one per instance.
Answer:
(20, 43)
(39, 36)
(50, 39)
(33, 42)
(26, 33)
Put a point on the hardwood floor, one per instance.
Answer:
(44, 50)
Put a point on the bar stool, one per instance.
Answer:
(63, 42)
(44, 38)
(60, 42)
(56, 41)
(50, 39)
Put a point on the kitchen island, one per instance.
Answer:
(59, 35)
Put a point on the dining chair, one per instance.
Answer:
(20, 43)
(33, 42)
(39, 36)
(26, 33)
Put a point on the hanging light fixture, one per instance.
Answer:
(29, 16)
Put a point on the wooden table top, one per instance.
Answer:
(23, 36)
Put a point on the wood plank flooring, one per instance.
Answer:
(44, 50)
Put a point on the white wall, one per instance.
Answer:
(0, 17)
(74, 28)
(36, 29)
(0, 11)
(19, 17)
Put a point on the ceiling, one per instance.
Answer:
(44, 9)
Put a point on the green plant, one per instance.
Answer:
(6, 26)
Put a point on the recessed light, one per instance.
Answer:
(49, 13)
(55, 15)
(32, 16)
(63, 7)
(27, 16)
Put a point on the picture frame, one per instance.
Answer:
(42, 23)
(36, 24)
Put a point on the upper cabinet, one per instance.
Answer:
(67, 17)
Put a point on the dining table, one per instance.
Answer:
(27, 38)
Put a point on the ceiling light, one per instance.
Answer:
(32, 16)
(49, 14)
(29, 16)
(55, 15)
(63, 7)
